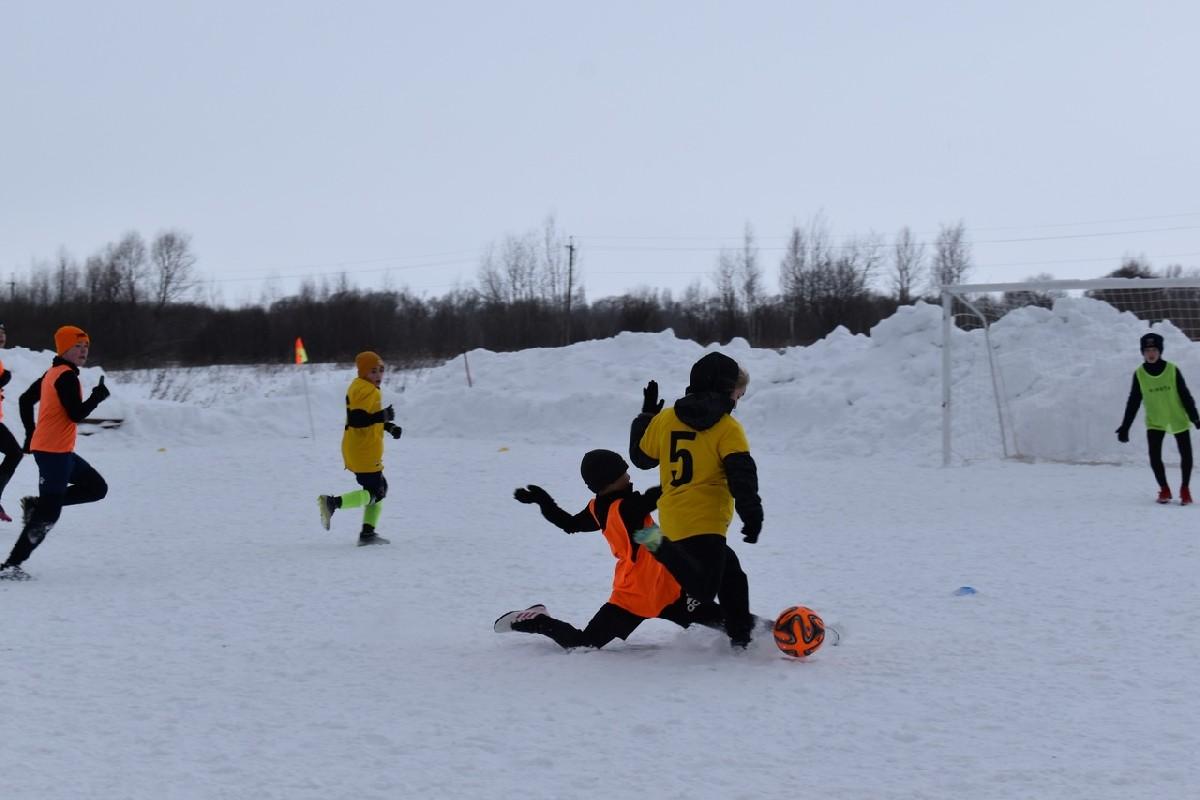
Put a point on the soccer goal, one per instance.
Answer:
(1041, 370)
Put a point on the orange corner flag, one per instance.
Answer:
(301, 353)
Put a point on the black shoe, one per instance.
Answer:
(326, 505)
(13, 572)
(374, 538)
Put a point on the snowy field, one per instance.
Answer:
(197, 635)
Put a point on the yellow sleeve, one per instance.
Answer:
(733, 438)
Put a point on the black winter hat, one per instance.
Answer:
(716, 372)
(1152, 340)
(600, 468)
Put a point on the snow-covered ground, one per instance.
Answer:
(197, 635)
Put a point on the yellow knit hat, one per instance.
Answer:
(366, 361)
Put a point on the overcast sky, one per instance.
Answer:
(394, 140)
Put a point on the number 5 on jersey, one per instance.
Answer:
(682, 457)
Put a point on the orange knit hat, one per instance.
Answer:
(67, 337)
(366, 361)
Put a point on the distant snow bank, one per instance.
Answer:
(1066, 376)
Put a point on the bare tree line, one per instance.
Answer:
(138, 300)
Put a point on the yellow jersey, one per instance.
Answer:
(695, 493)
(362, 448)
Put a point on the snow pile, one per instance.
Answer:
(1065, 373)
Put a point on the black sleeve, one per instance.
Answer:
(1185, 396)
(68, 389)
(571, 523)
(361, 418)
(5, 377)
(635, 507)
(636, 430)
(742, 475)
(30, 398)
(1131, 405)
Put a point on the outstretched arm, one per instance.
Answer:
(571, 523)
(636, 430)
(651, 405)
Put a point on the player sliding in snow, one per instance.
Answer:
(642, 587)
(1169, 409)
(362, 448)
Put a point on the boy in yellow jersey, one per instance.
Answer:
(8, 443)
(1169, 409)
(706, 472)
(65, 479)
(362, 448)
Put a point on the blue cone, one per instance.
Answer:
(964, 590)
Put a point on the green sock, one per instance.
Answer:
(356, 499)
(372, 513)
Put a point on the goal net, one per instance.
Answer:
(1042, 370)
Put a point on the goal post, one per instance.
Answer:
(1039, 370)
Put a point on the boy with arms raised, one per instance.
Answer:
(706, 473)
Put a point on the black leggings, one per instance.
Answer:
(613, 622)
(12, 456)
(66, 480)
(706, 566)
(1154, 442)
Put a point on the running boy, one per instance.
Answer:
(706, 472)
(1169, 409)
(642, 587)
(362, 448)
(65, 478)
(8, 443)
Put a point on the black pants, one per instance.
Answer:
(707, 567)
(1154, 442)
(65, 480)
(12, 456)
(613, 622)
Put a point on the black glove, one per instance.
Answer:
(751, 530)
(101, 392)
(532, 494)
(1122, 434)
(650, 402)
(389, 414)
(394, 430)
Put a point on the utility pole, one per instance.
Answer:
(570, 288)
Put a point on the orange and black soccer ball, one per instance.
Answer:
(799, 632)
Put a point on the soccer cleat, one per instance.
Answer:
(4, 517)
(649, 538)
(324, 505)
(1185, 496)
(28, 504)
(504, 623)
(1164, 495)
(12, 572)
(374, 538)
